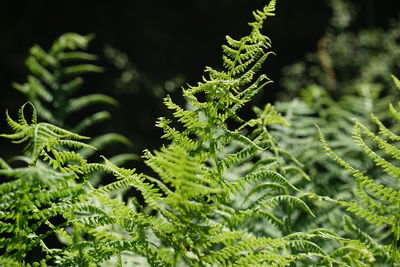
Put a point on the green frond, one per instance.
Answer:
(224, 237)
(357, 209)
(295, 169)
(354, 254)
(176, 136)
(188, 118)
(44, 58)
(356, 173)
(271, 218)
(223, 191)
(379, 161)
(71, 86)
(40, 71)
(260, 259)
(55, 78)
(81, 69)
(34, 86)
(91, 222)
(384, 193)
(41, 136)
(15, 126)
(247, 94)
(44, 112)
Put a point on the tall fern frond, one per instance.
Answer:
(208, 166)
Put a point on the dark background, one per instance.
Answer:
(164, 39)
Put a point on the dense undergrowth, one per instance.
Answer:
(309, 181)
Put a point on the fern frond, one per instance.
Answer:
(40, 136)
(365, 213)
(55, 78)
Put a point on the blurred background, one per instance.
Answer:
(161, 45)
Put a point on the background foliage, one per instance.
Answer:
(163, 40)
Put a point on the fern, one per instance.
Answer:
(40, 136)
(51, 199)
(36, 194)
(215, 181)
(53, 84)
(345, 78)
(378, 197)
(132, 80)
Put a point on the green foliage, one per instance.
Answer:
(378, 196)
(40, 136)
(223, 190)
(34, 195)
(347, 77)
(55, 77)
(54, 82)
(195, 220)
(50, 209)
